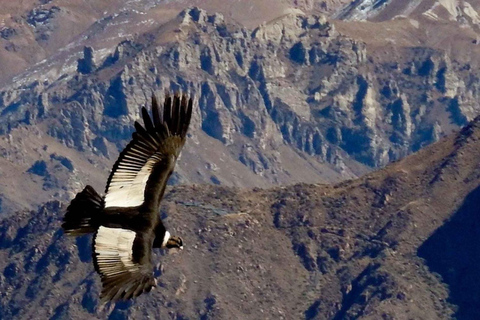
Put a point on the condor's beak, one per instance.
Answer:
(181, 248)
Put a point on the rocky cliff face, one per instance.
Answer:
(292, 100)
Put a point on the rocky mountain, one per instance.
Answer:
(398, 243)
(317, 105)
(299, 98)
(34, 30)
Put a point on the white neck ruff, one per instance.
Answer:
(165, 239)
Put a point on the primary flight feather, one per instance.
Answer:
(126, 222)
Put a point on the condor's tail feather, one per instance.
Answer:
(83, 213)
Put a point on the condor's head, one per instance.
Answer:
(174, 242)
(168, 241)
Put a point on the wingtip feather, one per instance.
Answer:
(177, 113)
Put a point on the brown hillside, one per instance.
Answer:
(349, 251)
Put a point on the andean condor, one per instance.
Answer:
(126, 222)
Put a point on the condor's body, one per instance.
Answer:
(126, 222)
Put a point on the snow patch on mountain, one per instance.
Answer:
(361, 9)
(453, 10)
(471, 12)
(440, 10)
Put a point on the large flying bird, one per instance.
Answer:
(126, 222)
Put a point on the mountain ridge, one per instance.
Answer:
(352, 246)
(294, 90)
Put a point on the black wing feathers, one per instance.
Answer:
(82, 213)
(167, 111)
(156, 113)
(161, 136)
(122, 251)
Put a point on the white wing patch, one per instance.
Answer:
(114, 247)
(127, 187)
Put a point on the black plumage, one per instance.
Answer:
(125, 221)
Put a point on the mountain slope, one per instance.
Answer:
(294, 100)
(352, 248)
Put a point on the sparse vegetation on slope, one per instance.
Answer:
(363, 249)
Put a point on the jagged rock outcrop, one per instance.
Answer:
(293, 88)
(86, 64)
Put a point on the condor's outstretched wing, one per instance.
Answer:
(141, 172)
(123, 259)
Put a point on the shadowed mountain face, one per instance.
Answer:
(453, 251)
(373, 248)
